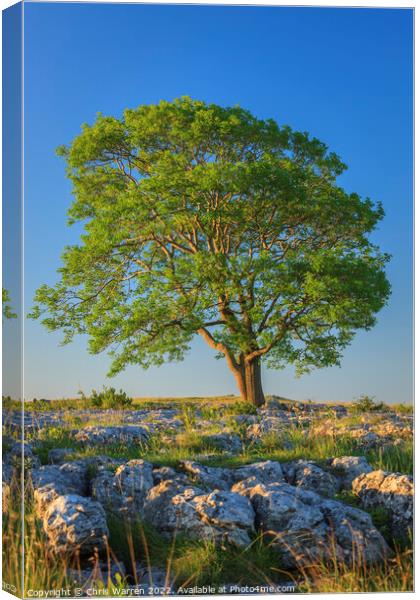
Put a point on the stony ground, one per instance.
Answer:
(139, 497)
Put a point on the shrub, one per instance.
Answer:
(110, 398)
(404, 409)
(367, 404)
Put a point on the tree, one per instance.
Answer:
(200, 219)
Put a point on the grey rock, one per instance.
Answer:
(58, 456)
(51, 481)
(227, 442)
(220, 516)
(99, 571)
(392, 491)
(212, 478)
(168, 508)
(163, 473)
(267, 471)
(152, 581)
(230, 515)
(305, 526)
(347, 468)
(119, 434)
(125, 491)
(75, 524)
(309, 476)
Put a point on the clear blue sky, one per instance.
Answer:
(344, 75)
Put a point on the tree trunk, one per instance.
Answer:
(248, 379)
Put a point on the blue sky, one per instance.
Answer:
(344, 75)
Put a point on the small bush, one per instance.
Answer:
(110, 398)
(367, 404)
(188, 416)
(241, 408)
(403, 409)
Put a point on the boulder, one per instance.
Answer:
(125, 491)
(212, 478)
(347, 468)
(267, 471)
(305, 526)
(58, 456)
(163, 473)
(168, 508)
(309, 476)
(221, 516)
(51, 481)
(392, 491)
(226, 442)
(230, 515)
(75, 524)
(217, 478)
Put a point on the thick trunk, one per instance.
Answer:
(248, 379)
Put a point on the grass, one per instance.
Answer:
(189, 562)
(393, 575)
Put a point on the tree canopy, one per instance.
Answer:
(201, 219)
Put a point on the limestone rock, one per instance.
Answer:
(75, 524)
(212, 478)
(58, 456)
(51, 481)
(267, 471)
(119, 434)
(221, 516)
(309, 476)
(306, 526)
(392, 491)
(347, 468)
(163, 473)
(230, 515)
(227, 442)
(125, 491)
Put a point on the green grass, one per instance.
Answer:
(195, 562)
(295, 443)
(393, 575)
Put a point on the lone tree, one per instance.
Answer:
(205, 220)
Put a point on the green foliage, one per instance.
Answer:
(381, 520)
(204, 219)
(110, 398)
(403, 409)
(241, 408)
(188, 416)
(7, 310)
(367, 404)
